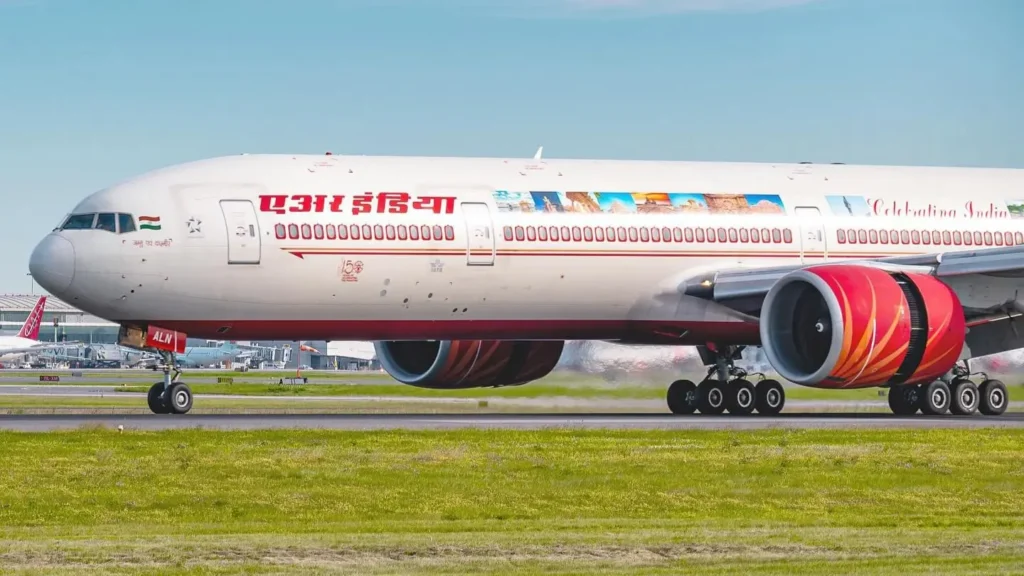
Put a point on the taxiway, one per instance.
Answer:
(38, 423)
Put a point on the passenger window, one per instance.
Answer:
(947, 238)
(425, 233)
(776, 235)
(977, 238)
(542, 233)
(1008, 238)
(1018, 238)
(588, 234)
(106, 221)
(307, 233)
(620, 234)
(565, 233)
(787, 236)
(609, 232)
(862, 236)
(766, 236)
(331, 232)
(926, 238)
(449, 232)
(644, 235)
(957, 238)
(403, 232)
(389, 231)
(988, 238)
(632, 234)
(414, 233)
(688, 232)
(342, 232)
(894, 237)
(125, 223)
(279, 231)
(853, 236)
(437, 232)
(677, 234)
(700, 234)
(711, 234)
(754, 236)
(732, 235)
(318, 231)
(915, 236)
(531, 233)
(744, 235)
(999, 239)
(520, 233)
(508, 232)
(936, 237)
(293, 231)
(904, 237)
(873, 236)
(378, 232)
(599, 234)
(655, 235)
(721, 235)
(968, 241)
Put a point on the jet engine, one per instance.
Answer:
(852, 326)
(454, 364)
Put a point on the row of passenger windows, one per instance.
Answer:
(934, 237)
(652, 234)
(109, 221)
(363, 232)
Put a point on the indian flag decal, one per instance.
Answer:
(149, 222)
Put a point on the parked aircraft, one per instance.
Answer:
(471, 272)
(27, 339)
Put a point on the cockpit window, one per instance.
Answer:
(126, 223)
(106, 221)
(79, 222)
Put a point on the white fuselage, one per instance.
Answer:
(563, 249)
(15, 343)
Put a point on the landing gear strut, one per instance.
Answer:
(170, 396)
(725, 388)
(960, 396)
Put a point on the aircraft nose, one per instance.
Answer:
(52, 264)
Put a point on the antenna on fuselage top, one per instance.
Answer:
(538, 154)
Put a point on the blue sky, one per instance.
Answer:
(95, 91)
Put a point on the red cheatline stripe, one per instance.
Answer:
(149, 218)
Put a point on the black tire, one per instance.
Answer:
(771, 397)
(904, 400)
(155, 399)
(935, 398)
(682, 397)
(740, 398)
(711, 395)
(994, 399)
(179, 398)
(965, 398)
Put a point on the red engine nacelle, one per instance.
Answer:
(453, 364)
(849, 326)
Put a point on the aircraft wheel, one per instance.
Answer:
(993, 398)
(771, 397)
(180, 398)
(711, 396)
(935, 398)
(904, 400)
(155, 399)
(965, 398)
(682, 397)
(740, 397)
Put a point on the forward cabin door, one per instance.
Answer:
(812, 234)
(244, 245)
(479, 234)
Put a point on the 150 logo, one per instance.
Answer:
(349, 270)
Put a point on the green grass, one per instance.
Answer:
(513, 502)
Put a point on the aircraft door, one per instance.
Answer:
(479, 234)
(243, 228)
(812, 234)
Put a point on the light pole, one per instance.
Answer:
(33, 280)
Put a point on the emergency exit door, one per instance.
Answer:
(812, 234)
(244, 244)
(479, 234)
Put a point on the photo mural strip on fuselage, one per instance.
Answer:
(841, 241)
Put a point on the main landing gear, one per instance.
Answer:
(729, 390)
(960, 396)
(170, 396)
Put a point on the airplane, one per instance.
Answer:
(197, 356)
(27, 339)
(473, 272)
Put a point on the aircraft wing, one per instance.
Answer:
(42, 347)
(988, 282)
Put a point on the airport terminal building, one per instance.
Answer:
(61, 321)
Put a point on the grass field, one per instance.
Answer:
(512, 502)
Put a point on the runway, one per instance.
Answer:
(39, 423)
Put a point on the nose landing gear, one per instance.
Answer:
(170, 396)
